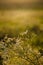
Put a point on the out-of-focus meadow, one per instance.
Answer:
(21, 32)
(19, 19)
(20, 13)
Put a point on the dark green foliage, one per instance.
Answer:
(1, 60)
(35, 29)
(41, 51)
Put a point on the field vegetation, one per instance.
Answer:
(21, 37)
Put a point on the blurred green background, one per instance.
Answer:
(18, 14)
